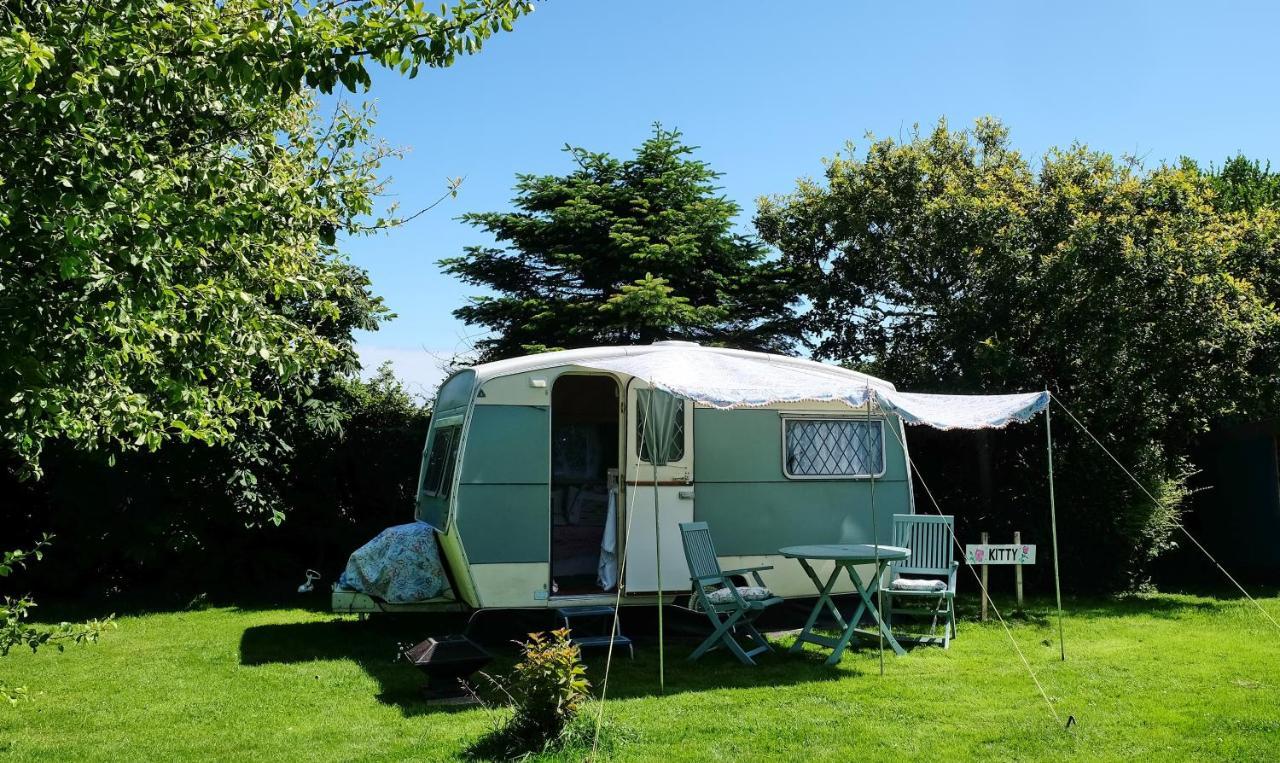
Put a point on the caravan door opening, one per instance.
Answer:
(584, 447)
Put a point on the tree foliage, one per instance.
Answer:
(1247, 198)
(1244, 185)
(949, 263)
(170, 204)
(622, 251)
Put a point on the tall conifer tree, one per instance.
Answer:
(623, 251)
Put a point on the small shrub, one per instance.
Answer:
(547, 686)
(546, 690)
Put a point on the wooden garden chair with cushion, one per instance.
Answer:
(728, 605)
(927, 579)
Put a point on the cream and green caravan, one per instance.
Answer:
(537, 478)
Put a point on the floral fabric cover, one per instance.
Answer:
(399, 566)
(748, 593)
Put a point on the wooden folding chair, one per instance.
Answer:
(932, 570)
(724, 603)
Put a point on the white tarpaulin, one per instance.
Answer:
(733, 379)
(963, 411)
(728, 379)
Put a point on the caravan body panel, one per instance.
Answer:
(754, 508)
(503, 492)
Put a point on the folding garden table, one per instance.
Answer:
(846, 557)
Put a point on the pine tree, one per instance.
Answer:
(623, 251)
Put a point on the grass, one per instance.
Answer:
(1156, 677)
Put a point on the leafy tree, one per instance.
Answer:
(170, 204)
(948, 263)
(170, 207)
(623, 251)
(1242, 185)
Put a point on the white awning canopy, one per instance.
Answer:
(731, 379)
(964, 411)
(746, 380)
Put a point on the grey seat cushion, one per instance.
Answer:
(917, 584)
(748, 593)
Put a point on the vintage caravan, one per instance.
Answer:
(536, 477)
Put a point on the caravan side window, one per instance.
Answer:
(832, 448)
(676, 448)
(440, 461)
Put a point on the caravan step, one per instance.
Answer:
(602, 638)
(589, 642)
(600, 610)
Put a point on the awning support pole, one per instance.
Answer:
(656, 454)
(657, 544)
(1053, 523)
(875, 539)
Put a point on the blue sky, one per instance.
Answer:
(768, 89)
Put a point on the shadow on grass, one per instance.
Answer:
(374, 645)
(1221, 592)
(143, 603)
(1165, 605)
(579, 740)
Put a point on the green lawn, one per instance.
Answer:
(1155, 677)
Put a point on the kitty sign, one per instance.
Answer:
(1000, 553)
(985, 554)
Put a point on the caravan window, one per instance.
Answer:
(677, 432)
(832, 448)
(440, 460)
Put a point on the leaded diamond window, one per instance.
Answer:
(833, 447)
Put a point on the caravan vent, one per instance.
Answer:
(675, 343)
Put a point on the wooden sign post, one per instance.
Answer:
(985, 587)
(986, 554)
(1017, 570)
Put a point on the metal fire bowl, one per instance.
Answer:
(447, 662)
